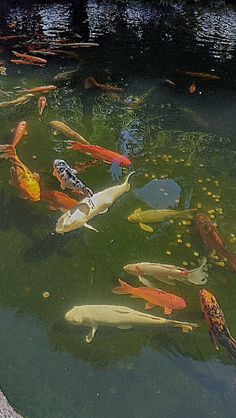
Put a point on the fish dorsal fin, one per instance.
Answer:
(139, 210)
(84, 207)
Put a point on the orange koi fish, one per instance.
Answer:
(21, 176)
(59, 201)
(192, 88)
(30, 58)
(21, 130)
(41, 89)
(154, 297)
(24, 62)
(202, 76)
(218, 328)
(100, 153)
(90, 81)
(42, 103)
(212, 239)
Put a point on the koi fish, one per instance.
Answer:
(157, 215)
(30, 58)
(11, 37)
(21, 176)
(203, 76)
(42, 103)
(83, 213)
(67, 178)
(67, 75)
(42, 52)
(81, 167)
(21, 130)
(192, 88)
(24, 62)
(59, 201)
(118, 316)
(218, 328)
(167, 273)
(74, 45)
(100, 153)
(41, 89)
(16, 102)
(67, 131)
(154, 297)
(212, 239)
(90, 81)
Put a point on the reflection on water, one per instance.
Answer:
(183, 152)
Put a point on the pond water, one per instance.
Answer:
(182, 147)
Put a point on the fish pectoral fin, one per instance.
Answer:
(90, 227)
(104, 211)
(145, 281)
(145, 227)
(124, 326)
(89, 338)
(167, 310)
(149, 305)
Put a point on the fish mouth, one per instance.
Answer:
(131, 218)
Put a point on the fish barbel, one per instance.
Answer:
(167, 273)
(83, 213)
(67, 131)
(17, 102)
(218, 328)
(118, 316)
(144, 217)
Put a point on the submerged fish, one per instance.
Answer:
(40, 89)
(100, 153)
(74, 45)
(154, 297)
(67, 75)
(192, 88)
(212, 239)
(218, 328)
(90, 81)
(203, 76)
(30, 58)
(118, 316)
(16, 102)
(83, 213)
(144, 217)
(59, 201)
(42, 103)
(167, 273)
(24, 62)
(67, 131)
(21, 176)
(20, 131)
(67, 178)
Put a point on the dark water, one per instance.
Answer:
(182, 143)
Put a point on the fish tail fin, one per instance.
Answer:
(232, 261)
(230, 344)
(7, 151)
(123, 289)
(198, 276)
(76, 146)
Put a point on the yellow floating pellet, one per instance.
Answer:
(181, 160)
(188, 244)
(176, 200)
(201, 165)
(185, 263)
(180, 241)
(179, 235)
(188, 164)
(208, 179)
(176, 161)
(172, 221)
(34, 157)
(217, 200)
(146, 175)
(170, 156)
(162, 190)
(153, 176)
(166, 194)
(212, 216)
(221, 264)
(211, 211)
(232, 235)
(146, 160)
(200, 181)
(204, 189)
(196, 254)
(209, 193)
(199, 205)
(46, 295)
(168, 252)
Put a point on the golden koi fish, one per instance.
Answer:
(17, 102)
(144, 217)
(67, 131)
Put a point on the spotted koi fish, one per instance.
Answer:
(67, 178)
(218, 328)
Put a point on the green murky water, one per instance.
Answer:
(183, 149)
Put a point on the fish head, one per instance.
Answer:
(131, 269)
(207, 300)
(73, 219)
(75, 316)
(136, 216)
(125, 161)
(59, 163)
(177, 303)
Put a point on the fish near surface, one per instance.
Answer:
(83, 213)
(59, 201)
(67, 178)
(16, 102)
(42, 104)
(100, 153)
(212, 239)
(40, 89)
(30, 58)
(202, 76)
(118, 316)
(67, 131)
(21, 176)
(67, 75)
(21, 130)
(144, 217)
(167, 273)
(154, 297)
(218, 328)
